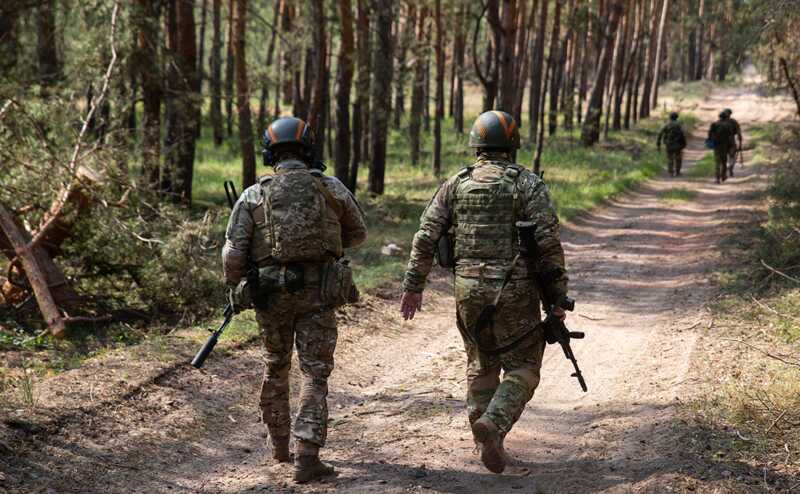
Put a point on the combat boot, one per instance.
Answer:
(307, 465)
(280, 449)
(491, 444)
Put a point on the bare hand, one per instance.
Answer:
(410, 304)
(559, 313)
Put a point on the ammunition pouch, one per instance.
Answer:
(445, 250)
(336, 287)
(254, 291)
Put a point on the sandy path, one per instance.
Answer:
(639, 268)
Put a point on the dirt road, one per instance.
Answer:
(640, 272)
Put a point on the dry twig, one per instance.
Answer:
(764, 352)
(780, 273)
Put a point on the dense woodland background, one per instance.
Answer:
(105, 105)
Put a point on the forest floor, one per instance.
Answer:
(142, 420)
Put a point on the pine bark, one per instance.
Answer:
(699, 66)
(146, 60)
(381, 91)
(361, 106)
(215, 65)
(555, 58)
(417, 89)
(439, 101)
(49, 64)
(507, 97)
(318, 74)
(659, 53)
(590, 132)
(644, 106)
(243, 94)
(537, 69)
(229, 63)
(343, 84)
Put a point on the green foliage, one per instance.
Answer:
(678, 195)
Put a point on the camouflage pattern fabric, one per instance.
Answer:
(673, 136)
(674, 162)
(721, 163)
(297, 320)
(477, 282)
(246, 241)
(291, 320)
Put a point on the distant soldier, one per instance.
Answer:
(483, 205)
(675, 141)
(722, 136)
(284, 240)
(736, 149)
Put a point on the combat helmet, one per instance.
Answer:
(287, 131)
(673, 116)
(494, 130)
(727, 111)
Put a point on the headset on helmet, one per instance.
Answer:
(288, 131)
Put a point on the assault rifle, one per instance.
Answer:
(555, 331)
(211, 342)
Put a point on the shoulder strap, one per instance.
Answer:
(332, 202)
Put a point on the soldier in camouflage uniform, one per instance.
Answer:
(734, 151)
(481, 204)
(299, 318)
(722, 133)
(675, 140)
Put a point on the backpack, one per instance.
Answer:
(674, 138)
(722, 132)
(302, 217)
(485, 213)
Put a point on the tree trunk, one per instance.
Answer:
(201, 53)
(146, 61)
(184, 96)
(417, 89)
(229, 63)
(361, 106)
(319, 73)
(287, 51)
(243, 94)
(620, 58)
(701, 33)
(459, 51)
(46, 49)
(555, 57)
(489, 77)
(215, 63)
(9, 41)
(343, 83)
(437, 122)
(791, 82)
(590, 132)
(649, 76)
(537, 67)
(508, 39)
(405, 38)
(659, 53)
(381, 91)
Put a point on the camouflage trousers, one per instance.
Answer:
(733, 153)
(721, 163)
(674, 162)
(297, 320)
(501, 400)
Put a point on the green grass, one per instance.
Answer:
(579, 178)
(677, 195)
(704, 167)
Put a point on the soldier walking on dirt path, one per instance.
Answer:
(282, 254)
(737, 148)
(721, 135)
(675, 141)
(479, 209)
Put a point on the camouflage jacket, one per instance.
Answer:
(236, 254)
(438, 218)
(673, 136)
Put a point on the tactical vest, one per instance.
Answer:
(485, 213)
(674, 138)
(297, 219)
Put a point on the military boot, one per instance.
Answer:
(280, 449)
(491, 444)
(307, 465)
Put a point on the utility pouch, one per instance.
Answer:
(336, 287)
(284, 278)
(526, 234)
(445, 250)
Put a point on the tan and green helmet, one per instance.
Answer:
(494, 129)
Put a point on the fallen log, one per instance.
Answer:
(36, 277)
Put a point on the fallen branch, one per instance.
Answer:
(44, 297)
(764, 352)
(775, 422)
(780, 273)
(770, 309)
